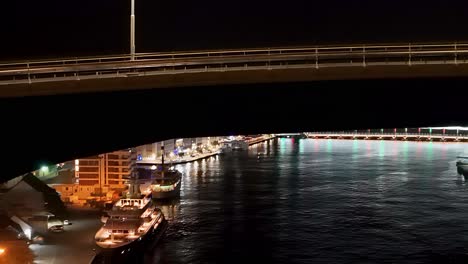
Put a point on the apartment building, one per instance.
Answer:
(103, 172)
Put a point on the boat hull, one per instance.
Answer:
(462, 168)
(167, 195)
(134, 251)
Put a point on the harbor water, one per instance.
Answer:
(320, 201)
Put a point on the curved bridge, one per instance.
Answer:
(177, 69)
(391, 136)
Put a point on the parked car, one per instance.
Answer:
(37, 240)
(56, 228)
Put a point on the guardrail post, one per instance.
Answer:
(364, 56)
(269, 60)
(29, 74)
(409, 54)
(455, 59)
(316, 59)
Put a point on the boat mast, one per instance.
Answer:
(134, 185)
(162, 159)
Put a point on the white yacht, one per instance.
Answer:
(133, 222)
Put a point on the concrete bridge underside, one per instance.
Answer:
(126, 82)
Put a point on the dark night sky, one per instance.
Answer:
(89, 27)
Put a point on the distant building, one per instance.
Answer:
(95, 177)
(103, 171)
(152, 152)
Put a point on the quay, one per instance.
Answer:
(179, 160)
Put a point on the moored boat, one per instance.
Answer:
(165, 181)
(462, 165)
(134, 224)
(166, 184)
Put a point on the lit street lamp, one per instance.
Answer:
(132, 31)
(44, 170)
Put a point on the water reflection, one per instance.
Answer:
(419, 146)
(170, 208)
(461, 180)
(301, 145)
(329, 146)
(309, 198)
(405, 151)
(430, 150)
(381, 149)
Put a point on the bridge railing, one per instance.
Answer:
(215, 60)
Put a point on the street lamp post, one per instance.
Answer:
(132, 31)
(101, 177)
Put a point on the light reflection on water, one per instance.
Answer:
(303, 201)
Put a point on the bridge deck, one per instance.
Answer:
(155, 70)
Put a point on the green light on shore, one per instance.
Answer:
(43, 170)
